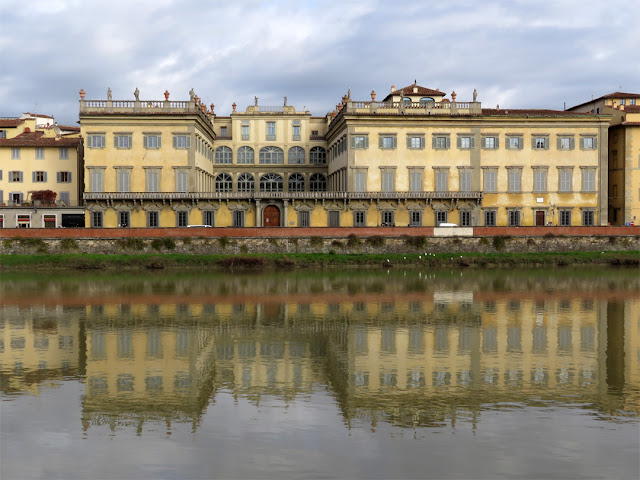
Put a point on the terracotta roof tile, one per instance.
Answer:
(10, 122)
(421, 91)
(35, 139)
(516, 112)
(632, 108)
(620, 95)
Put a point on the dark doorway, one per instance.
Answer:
(271, 216)
(539, 218)
(73, 220)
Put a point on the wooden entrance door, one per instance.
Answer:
(271, 216)
(539, 218)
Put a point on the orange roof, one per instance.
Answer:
(36, 139)
(10, 122)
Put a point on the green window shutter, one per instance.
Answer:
(58, 176)
(20, 177)
(33, 177)
(581, 143)
(408, 141)
(533, 143)
(520, 143)
(70, 177)
(159, 141)
(115, 141)
(483, 142)
(175, 141)
(559, 143)
(546, 143)
(472, 142)
(145, 141)
(395, 142)
(497, 142)
(595, 142)
(353, 142)
(188, 141)
(380, 141)
(45, 176)
(366, 142)
(448, 142)
(572, 143)
(433, 142)
(422, 142)
(459, 142)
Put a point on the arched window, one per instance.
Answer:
(246, 183)
(296, 156)
(407, 100)
(271, 155)
(271, 182)
(224, 183)
(318, 156)
(296, 182)
(224, 155)
(318, 183)
(425, 100)
(245, 155)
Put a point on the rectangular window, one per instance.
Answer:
(359, 141)
(623, 101)
(15, 153)
(415, 180)
(415, 142)
(96, 219)
(49, 221)
(441, 142)
(39, 153)
(514, 143)
(182, 141)
(564, 180)
(490, 143)
(360, 218)
(415, 218)
(181, 181)
(388, 180)
(123, 179)
(632, 101)
(540, 143)
(490, 180)
(96, 140)
(304, 219)
(333, 218)
(238, 218)
(360, 181)
(123, 219)
(566, 143)
(245, 130)
(271, 130)
(588, 143)
(122, 141)
(15, 176)
(152, 180)
(388, 218)
(1, 218)
(565, 218)
(490, 218)
(182, 218)
(514, 218)
(64, 153)
(39, 177)
(588, 180)
(515, 176)
(208, 218)
(466, 142)
(465, 180)
(387, 141)
(223, 131)
(152, 142)
(442, 216)
(588, 218)
(23, 221)
(153, 219)
(65, 199)
(465, 218)
(296, 130)
(442, 180)
(3, 134)
(540, 180)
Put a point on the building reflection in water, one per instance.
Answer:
(424, 352)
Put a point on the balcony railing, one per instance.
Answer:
(279, 195)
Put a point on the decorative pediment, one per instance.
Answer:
(359, 206)
(441, 206)
(181, 206)
(415, 206)
(386, 205)
(466, 206)
(239, 206)
(333, 206)
(209, 206)
(152, 206)
(123, 206)
(97, 207)
(303, 207)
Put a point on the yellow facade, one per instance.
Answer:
(36, 157)
(414, 159)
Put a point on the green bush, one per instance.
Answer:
(484, 241)
(353, 240)
(68, 244)
(417, 241)
(316, 241)
(376, 241)
(224, 242)
(130, 243)
(160, 243)
(499, 241)
(244, 248)
(186, 241)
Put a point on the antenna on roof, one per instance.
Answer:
(415, 81)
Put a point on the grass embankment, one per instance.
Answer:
(315, 260)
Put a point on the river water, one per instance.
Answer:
(357, 374)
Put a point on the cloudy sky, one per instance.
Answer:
(516, 53)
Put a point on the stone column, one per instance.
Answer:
(285, 214)
(258, 222)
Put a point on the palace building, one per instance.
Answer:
(416, 158)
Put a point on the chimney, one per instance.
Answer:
(393, 87)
